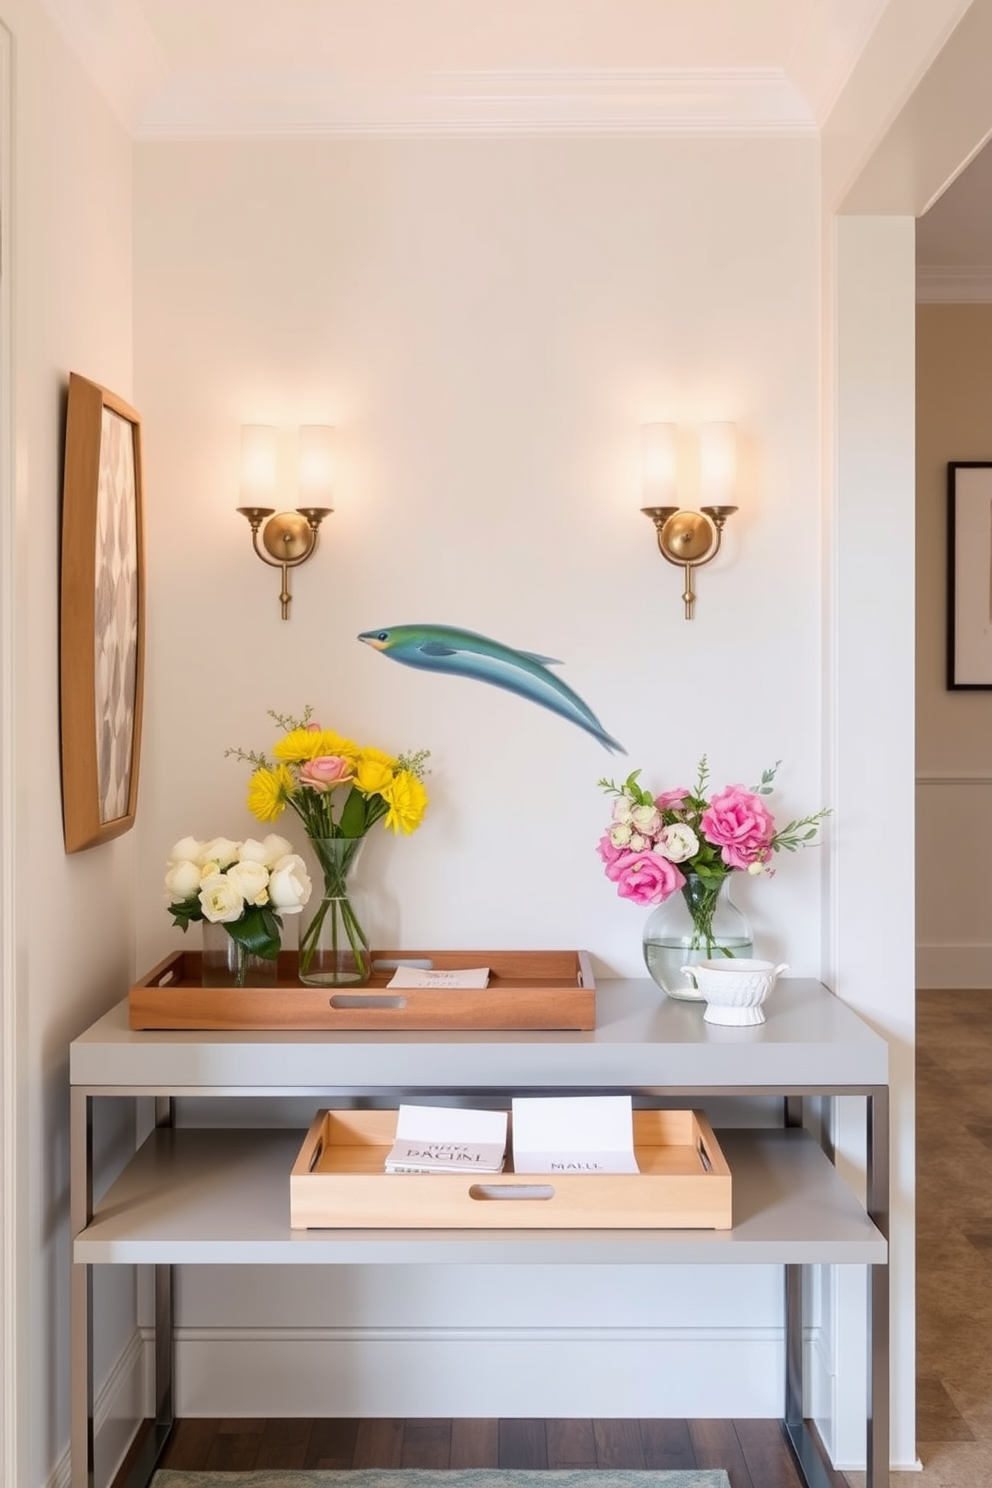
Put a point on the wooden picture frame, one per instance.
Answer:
(969, 574)
(102, 615)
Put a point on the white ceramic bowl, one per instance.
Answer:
(734, 988)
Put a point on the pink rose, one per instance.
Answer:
(325, 772)
(672, 800)
(610, 855)
(645, 877)
(740, 825)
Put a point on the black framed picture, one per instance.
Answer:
(969, 574)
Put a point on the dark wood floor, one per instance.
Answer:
(754, 1453)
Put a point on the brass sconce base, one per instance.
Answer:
(288, 538)
(689, 539)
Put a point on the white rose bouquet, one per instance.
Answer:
(244, 886)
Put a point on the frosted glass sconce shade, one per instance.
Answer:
(659, 452)
(718, 464)
(259, 459)
(316, 464)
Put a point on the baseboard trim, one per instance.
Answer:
(542, 1372)
(119, 1406)
(945, 967)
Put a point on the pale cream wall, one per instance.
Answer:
(487, 323)
(953, 728)
(72, 310)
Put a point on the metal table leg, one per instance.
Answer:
(878, 1291)
(808, 1458)
(81, 1292)
(82, 1436)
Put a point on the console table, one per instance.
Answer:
(208, 1196)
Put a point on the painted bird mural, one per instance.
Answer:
(464, 653)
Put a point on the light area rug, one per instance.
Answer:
(474, 1477)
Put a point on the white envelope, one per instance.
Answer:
(573, 1134)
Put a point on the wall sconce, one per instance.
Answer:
(287, 538)
(690, 538)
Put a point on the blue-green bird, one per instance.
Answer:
(463, 653)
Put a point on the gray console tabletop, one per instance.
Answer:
(643, 1040)
(199, 1195)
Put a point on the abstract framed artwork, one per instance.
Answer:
(102, 615)
(969, 574)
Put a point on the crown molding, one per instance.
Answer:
(954, 284)
(310, 104)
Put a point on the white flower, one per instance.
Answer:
(620, 835)
(186, 850)
(220, 850)
(275, 848)
(646, 819)
(622, 809)
(677, 842)
(637, 843)
(221, 899)
(253, 851)
(252, 879)
(755, 868)
(289, 884)
(183, 878)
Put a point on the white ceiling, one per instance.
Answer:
(233, 68)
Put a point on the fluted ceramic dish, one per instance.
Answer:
(734, 989)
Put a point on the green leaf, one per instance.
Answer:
(257, 930)
(352, 821)
(185, 911)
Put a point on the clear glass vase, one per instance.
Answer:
(226, 963)
(334, 948)
(697, 923)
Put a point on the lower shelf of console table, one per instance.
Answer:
(221, 1197)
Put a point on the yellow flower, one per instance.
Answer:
(407, 800)
(268, 792)
(299, 744)
(302, 744)
(374, 772)
(332, 743)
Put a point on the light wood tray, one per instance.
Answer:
(338, 1181)
(527, 989)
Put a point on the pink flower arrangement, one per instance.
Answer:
(653, 842)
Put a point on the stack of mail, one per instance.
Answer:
(445, 1139)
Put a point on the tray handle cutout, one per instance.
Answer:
(424, 964)
(704, 1156)
(543, 1191)
(318, 1153)
(168, 976)
(369, 1000)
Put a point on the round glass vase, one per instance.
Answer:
(226, 963)
(334, 948)
(697, 923)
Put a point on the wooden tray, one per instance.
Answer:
(527, 989)
(338, 1182)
